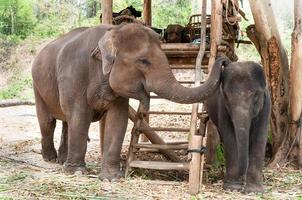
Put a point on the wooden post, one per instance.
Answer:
(106, 11)
(147, 12)
(147, 19)
(296, 77)
(106, 19)
(265, 35)
(216, 30)
(196, 141)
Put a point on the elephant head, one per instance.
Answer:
(136, 65)
(176, 33)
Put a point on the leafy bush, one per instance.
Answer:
(171, 12)
(16, 17)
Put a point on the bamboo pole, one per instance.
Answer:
(106, 11)
(195, 172)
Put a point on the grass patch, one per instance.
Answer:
(15, 89)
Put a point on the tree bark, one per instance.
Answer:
(296, 81)
(265, 35)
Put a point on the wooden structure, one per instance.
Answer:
(183, 56)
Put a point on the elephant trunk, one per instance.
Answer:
(242, 123)
(169, 88)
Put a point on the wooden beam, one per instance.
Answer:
(106, 11)
(159, 165)
(162, 146)
(147, 12)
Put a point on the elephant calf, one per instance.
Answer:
(240, 108)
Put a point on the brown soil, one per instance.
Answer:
(24, 174)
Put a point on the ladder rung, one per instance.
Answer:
(164, 129)
(159, 165)
(162, 146)
(188, 82)
(166, 113)
(186, 67)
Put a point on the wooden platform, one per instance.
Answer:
(186, 53)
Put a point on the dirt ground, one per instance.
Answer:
(24, 174)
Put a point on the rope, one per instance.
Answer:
(235, 12)
(202, 150)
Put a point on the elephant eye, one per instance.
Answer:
(144, 61)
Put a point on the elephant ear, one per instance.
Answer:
(108, 51)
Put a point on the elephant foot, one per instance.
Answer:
(49, 155)
(110, 173)
(74, 168)
(62, 157)
(254, 188)
(112, 176)
(232, 185)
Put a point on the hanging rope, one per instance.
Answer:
(235, 12)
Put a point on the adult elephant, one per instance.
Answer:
(240, 109)
(176, 33)
(90, 72)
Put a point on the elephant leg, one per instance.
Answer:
(258, 139)
(102, 133)
(115, 128)
(47, 126)
(78, 126)
(63, 149)
(233, 176)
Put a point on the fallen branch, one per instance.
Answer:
(15, 102)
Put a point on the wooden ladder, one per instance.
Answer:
(194, 146)
(197, 138)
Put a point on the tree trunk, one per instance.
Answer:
(265, 35)
(106, 6)
(296, 82)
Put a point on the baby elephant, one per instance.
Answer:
(240, 108)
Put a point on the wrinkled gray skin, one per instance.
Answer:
(90, 73)
(240, 108)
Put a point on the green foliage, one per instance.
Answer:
(54, 19)
(16, 17)
(164, 12)
(171, 12)
(220, 160)
(119, 5)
